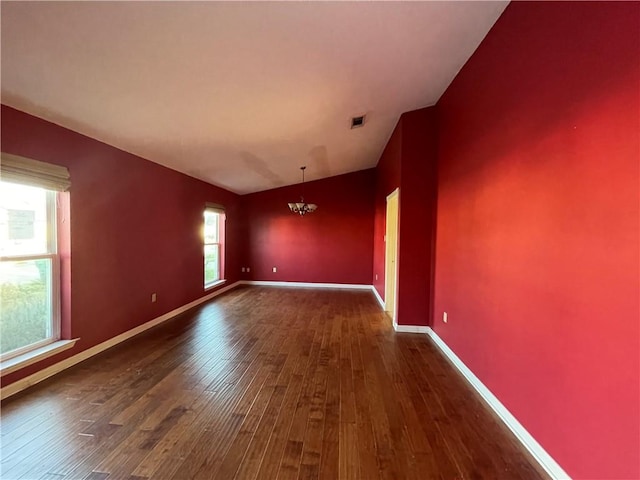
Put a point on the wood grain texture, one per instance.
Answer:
(262, 383)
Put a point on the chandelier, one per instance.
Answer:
(302, 207)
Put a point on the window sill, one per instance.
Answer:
(29, 358)
(217, 283)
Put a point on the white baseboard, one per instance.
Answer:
(45, 373)
(540, 454)
(410, 328)
(264, 283)
(346, 286)
(378, 297)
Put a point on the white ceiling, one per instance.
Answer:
(238, 94)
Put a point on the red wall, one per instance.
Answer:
(135, 230)
(332, 245)
(417, 212)
(387, 180)
(409, 162)
(537, 246)
(537, 251)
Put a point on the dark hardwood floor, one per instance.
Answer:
(262, 383)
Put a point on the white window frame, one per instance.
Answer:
(219, 211)
(54, 292)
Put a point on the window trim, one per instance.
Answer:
(215, 284)
(54, 294)
(220, 212)
(13, 364)
(55, 325)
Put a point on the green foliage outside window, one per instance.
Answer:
(24, 314)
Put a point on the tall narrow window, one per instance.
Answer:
(29, 273)
(213, 244)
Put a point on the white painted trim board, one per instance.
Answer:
(410, 328)
(378, 297)
(34, 356)
(346, 286)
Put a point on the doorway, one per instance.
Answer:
(391, 255)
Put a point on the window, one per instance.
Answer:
(29, 264)
(213, 242)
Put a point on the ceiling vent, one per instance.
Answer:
(357, 122)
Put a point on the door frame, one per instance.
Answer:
(391, 267)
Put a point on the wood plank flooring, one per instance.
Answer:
(262, 383)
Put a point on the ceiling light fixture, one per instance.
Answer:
(302, 207)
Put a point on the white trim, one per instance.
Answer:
(394, 314)
(393, 194)
(378, 297)
(346, 286)
(539, 454)
(45, 373)
(14, 364)
(214, 284)
(410, 328)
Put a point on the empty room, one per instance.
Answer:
(320, 240)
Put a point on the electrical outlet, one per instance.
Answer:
(275, 269)
(153, 298)
(243, 269)
(376, 276)
(445, 317)
(248, 269)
